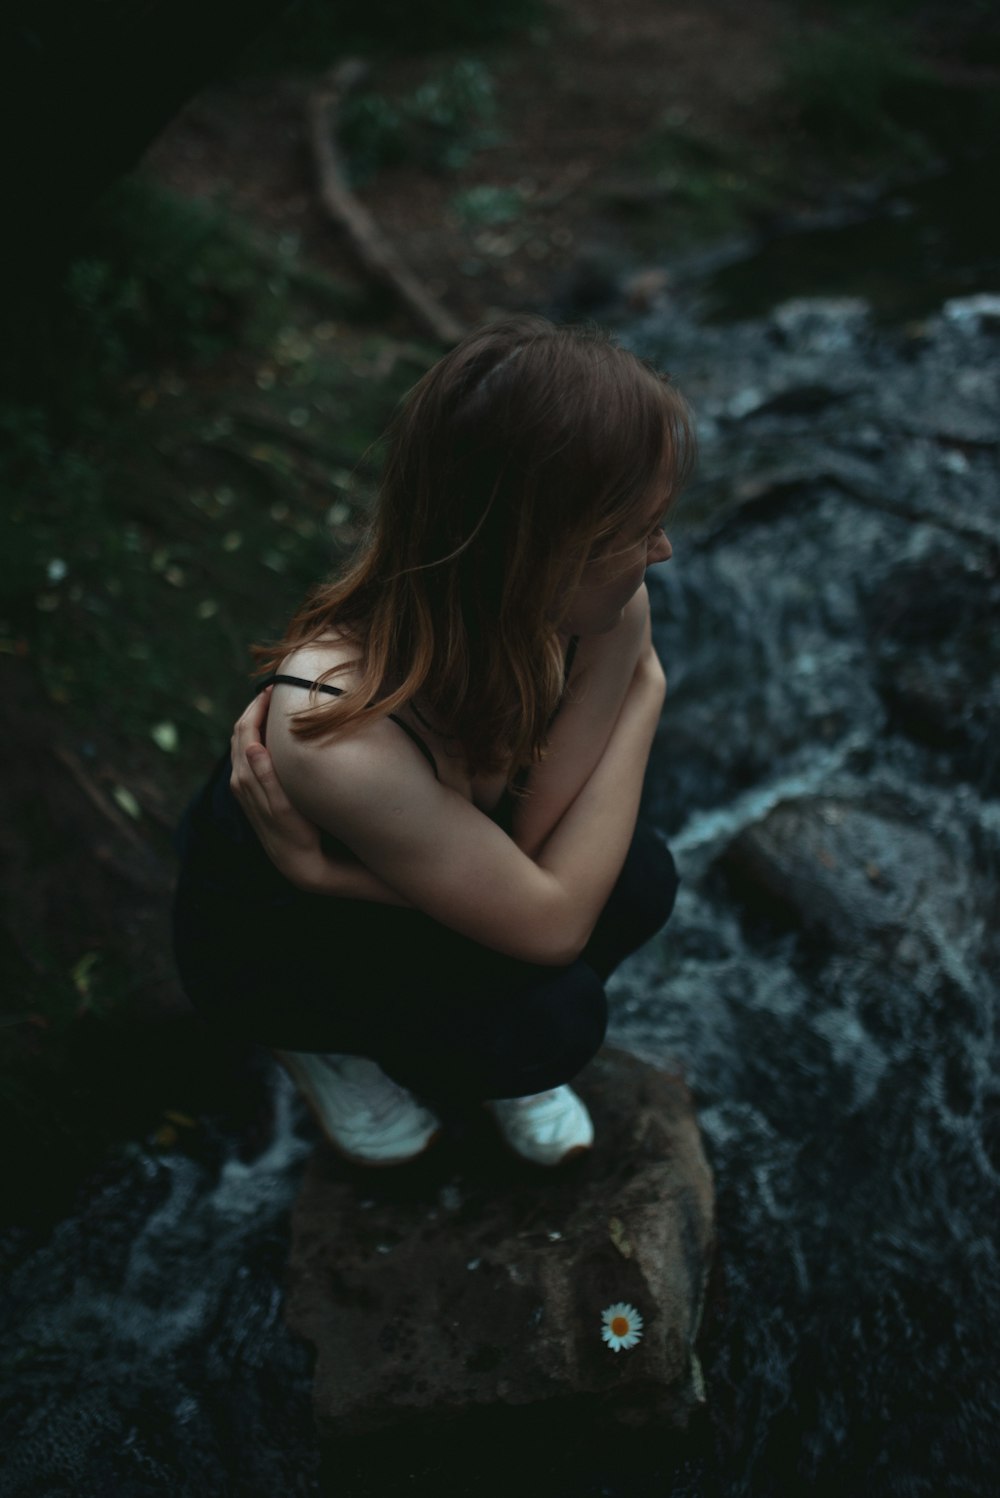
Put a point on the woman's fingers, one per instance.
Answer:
(266, 785)
(249, 726)
(248, 730)
(252, 783)
(260, 762)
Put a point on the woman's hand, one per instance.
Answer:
(289, 839)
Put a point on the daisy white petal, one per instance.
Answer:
(621, 1326)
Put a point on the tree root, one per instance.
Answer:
(377, 257)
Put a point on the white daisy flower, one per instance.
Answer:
(622, 1326)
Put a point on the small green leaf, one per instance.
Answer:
(164, 736)
(124, 798)
(616, 1231)
(80, 972)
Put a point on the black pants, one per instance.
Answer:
(444, 1016)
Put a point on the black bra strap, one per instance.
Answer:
(300, 681)
(324, 686)
(425, 751)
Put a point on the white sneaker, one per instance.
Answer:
(546, 1128)
(365, 1115)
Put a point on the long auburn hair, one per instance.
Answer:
(514, 460)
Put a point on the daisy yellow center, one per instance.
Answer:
(620, 1326)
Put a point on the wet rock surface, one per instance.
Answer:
(472, 1281)
(836, 566)
(826, 768)
(859, 878)
(936, 637)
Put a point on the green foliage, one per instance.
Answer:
(34, 469)
(178, 435)
(165, 278)
(486, 204)
(158, 282)
(683, 187)
(438, 126)
(154, 279)
(851, 86)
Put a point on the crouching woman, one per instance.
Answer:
(415, 893)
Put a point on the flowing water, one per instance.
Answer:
(827, 771)
(830, 630)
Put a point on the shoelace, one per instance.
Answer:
(380, 1096)
(540, 1102)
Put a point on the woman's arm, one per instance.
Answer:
(587, 848)
(602, 670)
(292, 843)
(444, 856)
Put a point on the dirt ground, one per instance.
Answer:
(574, 99)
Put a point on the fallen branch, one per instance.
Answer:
(377, 256)
(97, 798)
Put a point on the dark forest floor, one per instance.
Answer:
(611, 133)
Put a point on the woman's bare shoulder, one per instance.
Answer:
(335, 651)
(359, 757)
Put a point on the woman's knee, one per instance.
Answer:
(527, 1041)
(566, 1019)
(640, 903)
(650, 879)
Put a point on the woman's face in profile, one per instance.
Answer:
(610, 582)
(615, 576)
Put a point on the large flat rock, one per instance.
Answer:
(470, 1282)
(861, 877)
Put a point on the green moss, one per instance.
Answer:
(438, 126)
(487, 204)
(866, 88)
(679, 187)
(845, 85)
